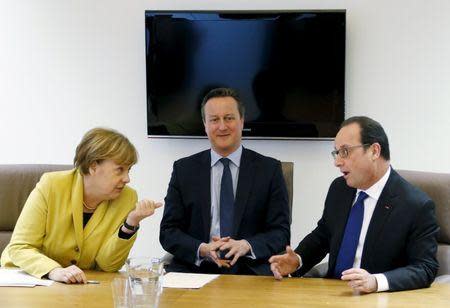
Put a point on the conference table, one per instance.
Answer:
(229, 291)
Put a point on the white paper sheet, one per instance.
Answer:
(12, 277)
(442, 279)
(187, 280)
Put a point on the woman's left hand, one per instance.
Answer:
(144, 208)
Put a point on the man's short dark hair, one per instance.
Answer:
(371, 132)
(223, 92)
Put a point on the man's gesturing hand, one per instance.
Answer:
(285, 264)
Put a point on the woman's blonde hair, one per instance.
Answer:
(99, 144)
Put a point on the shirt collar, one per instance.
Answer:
(375, 190)
(235, 157)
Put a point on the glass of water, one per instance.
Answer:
(145, 277)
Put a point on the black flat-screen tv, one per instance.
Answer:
(288, 67)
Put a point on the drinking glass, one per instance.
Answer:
(120, 291)
(145, 277)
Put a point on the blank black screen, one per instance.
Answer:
(289, 69)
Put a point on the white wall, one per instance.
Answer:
(66, 66)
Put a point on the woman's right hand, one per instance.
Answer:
(70, 274)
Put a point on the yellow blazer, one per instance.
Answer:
(49, 232)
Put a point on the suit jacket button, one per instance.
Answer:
(73, 262)
(77, 249)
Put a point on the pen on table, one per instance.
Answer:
(93, 282)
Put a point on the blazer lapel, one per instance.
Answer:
(244, 186)
(204, 171)
(382, 211)
(77, 207)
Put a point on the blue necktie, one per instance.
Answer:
(346, 255)
(226, 200)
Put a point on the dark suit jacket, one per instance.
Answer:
(400, 242)
(261, 214)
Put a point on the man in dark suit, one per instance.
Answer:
(226, 209)
(379, 230)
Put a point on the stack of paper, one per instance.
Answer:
(12, 277)
(186, 281)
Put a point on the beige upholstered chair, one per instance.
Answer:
(16, 183)
(288, 174)
(437, 186)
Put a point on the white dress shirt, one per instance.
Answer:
(370, 202)
(216, 181)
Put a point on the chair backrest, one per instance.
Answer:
(437, 186)
(288, 174)
(16, 183)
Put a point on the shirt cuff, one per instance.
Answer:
(383, 284)
(250, 254)
(299, 261)
(198, 259)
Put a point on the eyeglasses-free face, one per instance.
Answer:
(345, 151)
(223, 124)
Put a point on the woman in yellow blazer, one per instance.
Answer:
(85, 218)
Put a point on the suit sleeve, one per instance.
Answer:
(276, 232)
(24, 249)
(114, 252)
(421, 251)
(172, 236)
